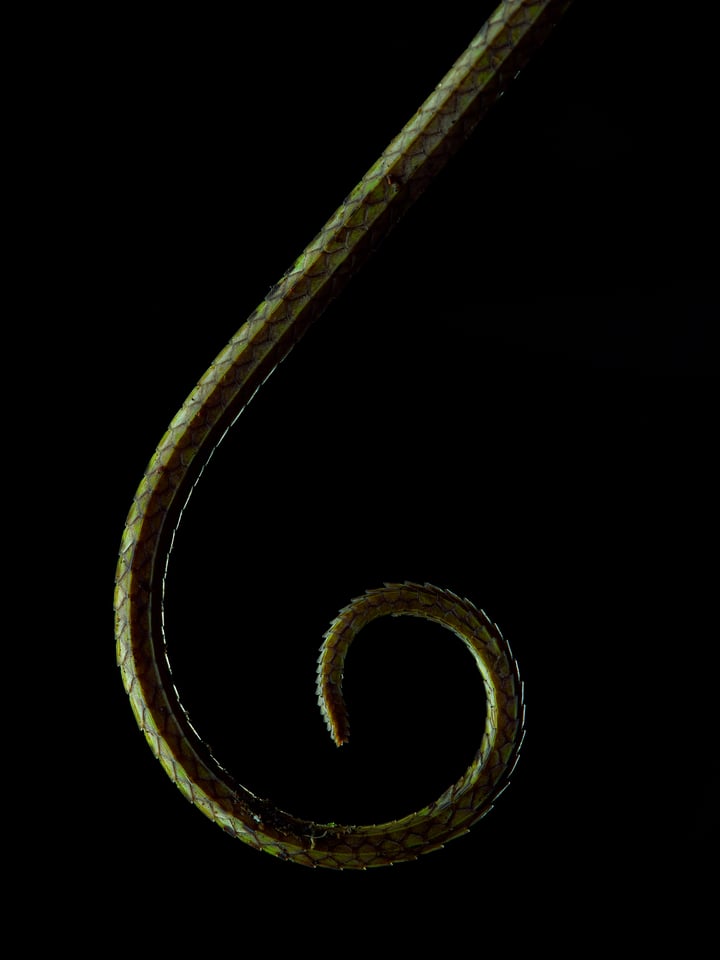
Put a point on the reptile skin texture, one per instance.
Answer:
(395, 181)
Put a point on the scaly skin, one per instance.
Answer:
(416, 155)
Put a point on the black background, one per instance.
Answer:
(512, 400)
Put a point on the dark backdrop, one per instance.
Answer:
(512, 401)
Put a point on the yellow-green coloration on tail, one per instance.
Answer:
(411, 161)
